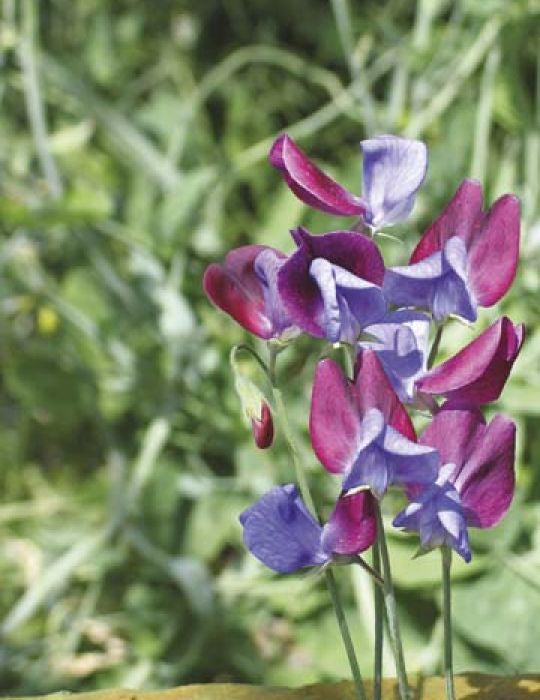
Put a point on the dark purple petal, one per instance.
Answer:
(263, 427)
(486, 482)
(372, 389)
(402, 348)
(309, 183)
(494, 252)
(394, 169)
(235, 288)
(280, 531)
(334, 422)
(437, 283)
(352, 527)
(460, 218)
(267, 265)
(479, 372)
(299, 290)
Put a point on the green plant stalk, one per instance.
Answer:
(446, 556)
(435, 347)
(281, 414)
(379, 604)
(391, 610)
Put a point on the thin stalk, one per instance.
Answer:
(446, 556)
(391, 610)
(379, 612)
(435, 347)
(281, 414)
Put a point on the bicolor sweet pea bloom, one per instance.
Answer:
(402, 339)
(479, 372)
(281, 532)
(475, 485)
(393, 167)
(362, 431)
(467, 258)
(331, 285)
(245, 287)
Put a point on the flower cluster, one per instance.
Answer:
(460, 472)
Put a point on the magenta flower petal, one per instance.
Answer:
(235, 288)
(394, 169)
(352, 527)
(494, 252)
(281, 532)
(486, 481)
(309, 183)
(458, 420)
(299, 285)
(479, 372)
(459, 218)
(334, 422)
(263, 427)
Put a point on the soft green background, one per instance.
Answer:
(133, 142)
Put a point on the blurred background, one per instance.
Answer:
(133, 143)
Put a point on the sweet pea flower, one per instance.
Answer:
(467, 257)
(281, 532)
(479, 372)
(362, 431)
(245, 287)
(475, 485)
(331, 285)
(393, 168)
(401, 341)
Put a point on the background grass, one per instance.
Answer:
(133, 142)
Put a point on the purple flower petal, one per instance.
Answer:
(235, 288)
(394, 169)
(479, 371)
(334, 422)
(352, 527)
(437, 283)
(300, 291)
(263, 427)
(402, 348)
(280, 531)
(494, 252)
(309, 183)
(459, 219)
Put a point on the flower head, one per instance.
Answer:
(245, 287)
(394, 168)
(467, 258)
(281, 532)
(475, 486)
(331, 285)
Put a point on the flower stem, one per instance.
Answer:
(281, 414)
(435, 347)
(391, 610)
(446, 556)
(379, 603)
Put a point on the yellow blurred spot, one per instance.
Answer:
(47, 320)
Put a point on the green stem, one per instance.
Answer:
(435, 347)
(281, 414)
(391, 610)
(379, 603)
(446, 556)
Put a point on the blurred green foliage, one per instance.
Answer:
(133, 141)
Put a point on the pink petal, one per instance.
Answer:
(352, 527)
(334, 422)
(452, 432)
(234, 288)
(486, 482)
(263, 427)
(460, 218)
(479, 372)
(309, 183)
(372, 389)
(494, 252)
